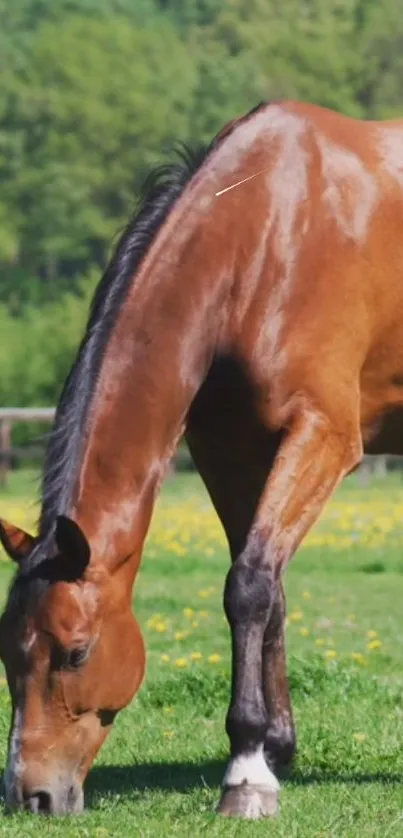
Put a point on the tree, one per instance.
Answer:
(95, 106)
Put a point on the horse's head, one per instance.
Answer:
(74, 657)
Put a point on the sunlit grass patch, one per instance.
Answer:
(159, 772)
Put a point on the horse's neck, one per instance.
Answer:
(157, 357)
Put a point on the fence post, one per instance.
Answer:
(5, 449)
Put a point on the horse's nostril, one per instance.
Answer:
(39, 803)
(44, 802)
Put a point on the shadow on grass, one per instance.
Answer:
(184, 777)
(313, 778)
(162, 776)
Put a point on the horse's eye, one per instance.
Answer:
(68, 659)
(75, 658)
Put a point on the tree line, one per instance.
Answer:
(95, 92)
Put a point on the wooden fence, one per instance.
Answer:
(9, 416)
(13, 454)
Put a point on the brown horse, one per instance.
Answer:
(255, 304)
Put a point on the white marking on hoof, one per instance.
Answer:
(248, 802)
(251, 769)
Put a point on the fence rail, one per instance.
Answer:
(9, 416)
(11, 454)
(27, 414)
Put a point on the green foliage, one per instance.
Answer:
(95, 92)
(37, 349)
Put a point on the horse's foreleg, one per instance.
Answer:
(317, 452)
(280, 743)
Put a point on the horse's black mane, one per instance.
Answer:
(161, 190)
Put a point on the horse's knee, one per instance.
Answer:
(250, 588)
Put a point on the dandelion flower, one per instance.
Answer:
(188, 612)
(374, 644)
(295, 616)
(156, 618)
(320, 641)
(165, 658)
(306, 595)
(330, 654)
(304, 631)
(181, 662)
(196, 656)
(372, 634)
(358, 657)
(214, 658)
(180, 635)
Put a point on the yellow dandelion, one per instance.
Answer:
(306, 595)
(304, 631)
(180, 635)
(295, 616)
(165, 658)
(194, 624)
(374, 644)
(330, 654)
(196, 656)
(188, 612)
(160, 627)
(156, 618)
(320, 641)
(358, 657)
(214, 658)
(372, 634)
(359, 737)
(181, 662)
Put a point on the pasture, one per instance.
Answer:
(160, 771)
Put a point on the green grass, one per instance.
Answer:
(160, 771)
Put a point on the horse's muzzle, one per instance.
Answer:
(54, 799)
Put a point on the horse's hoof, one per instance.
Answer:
(247, 801)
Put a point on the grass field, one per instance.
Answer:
(159, 773)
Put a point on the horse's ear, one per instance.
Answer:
(17, 543)
(72, 545)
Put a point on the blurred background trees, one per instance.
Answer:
(95, 92)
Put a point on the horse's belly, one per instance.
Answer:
(381, 392)
(385, 436)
